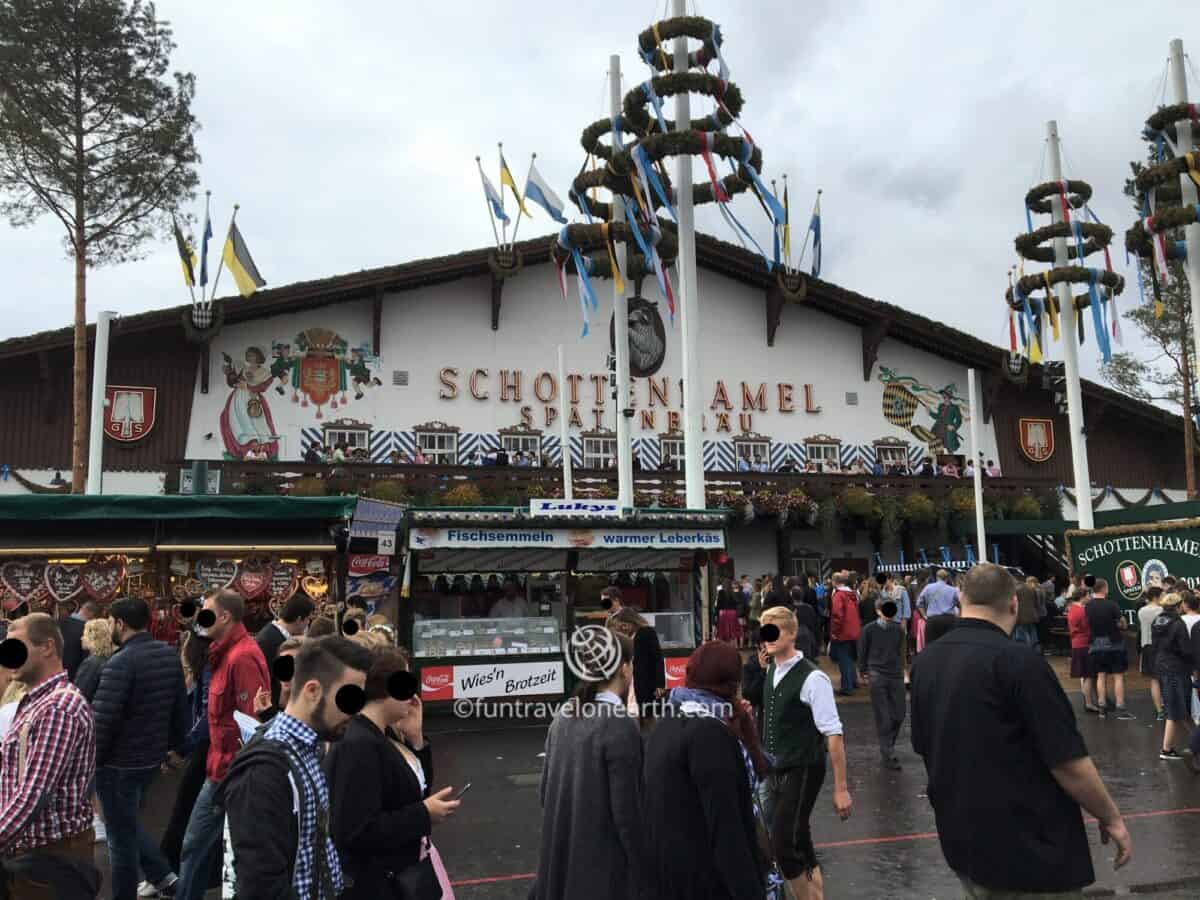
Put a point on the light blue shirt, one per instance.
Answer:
(938, 599)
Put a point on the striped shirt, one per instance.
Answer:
(301, 741)
(46, 797)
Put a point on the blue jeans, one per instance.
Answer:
(1026, 634)
(204, 831)
(844, 653)
(130, 848)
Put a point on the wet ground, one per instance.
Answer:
(886, 850)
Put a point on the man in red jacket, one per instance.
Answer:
(844, 628)
(239, 673)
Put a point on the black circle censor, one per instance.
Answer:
(13, 653)
(350, 699)
(206, 618)
(187, 609)
(606, 602)
(402, 685)
(284, 668)
(350, 627)
(768, 633)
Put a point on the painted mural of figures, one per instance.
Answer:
(246, 423)
(903, 395)
(282, 363)
(360, 371)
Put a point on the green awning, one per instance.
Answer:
(106, 507)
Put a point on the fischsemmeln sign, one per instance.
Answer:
(480, 537)
(1131, 558)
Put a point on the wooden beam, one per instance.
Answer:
(204, 366)
(497, 290)
(46, 388)
(774, 306)
(993, 384)
(377, 320)
(873, 334)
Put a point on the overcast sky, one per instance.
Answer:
(348, 132)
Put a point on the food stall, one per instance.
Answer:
(495, 593)
(57, 551)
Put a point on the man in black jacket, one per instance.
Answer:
(292, 622)
(72, 632)
(279, 853)
(141, 710)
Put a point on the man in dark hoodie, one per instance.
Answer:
(882, 667)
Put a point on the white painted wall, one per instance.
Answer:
(448, 327)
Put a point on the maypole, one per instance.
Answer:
(1073, 239)
(1164, 209)
(621, 324)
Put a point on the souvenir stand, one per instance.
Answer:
(459, 617)
(56, 551)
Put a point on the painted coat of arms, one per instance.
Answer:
(129, 411)
(1036, 437)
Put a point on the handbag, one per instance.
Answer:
(416, 882)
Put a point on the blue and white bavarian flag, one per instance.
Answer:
(493, 197)
(540, 193)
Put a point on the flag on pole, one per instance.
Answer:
(204, 239)
(540, 193)
(493, 197)
(787, 224)
(185, 254)
(815, 227)
(506, 179)
(240, 263)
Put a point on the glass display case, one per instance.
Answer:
(674, 628)
(485, 637)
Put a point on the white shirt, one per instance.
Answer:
(1190, 620)
(8, 712)
(1146, 616)
(609, 697)
(817, 695)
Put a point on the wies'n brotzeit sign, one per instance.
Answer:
(1131, 558)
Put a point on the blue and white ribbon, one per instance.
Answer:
(1098, 315)
(717, 40)
(768, 198)
(647, 174)
(648, 90)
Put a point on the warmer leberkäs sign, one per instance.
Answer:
(1131, 558)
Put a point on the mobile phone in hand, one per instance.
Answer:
(466, 787)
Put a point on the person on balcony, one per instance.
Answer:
(992, 470)
(969, 471)
(950, 470)
(743, 463)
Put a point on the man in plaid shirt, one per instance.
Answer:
(47, 759)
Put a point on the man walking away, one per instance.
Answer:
(1150, 611)
(141, 710)
(47, 763)
(72, 632)
(292, 622)
(1106, 652)
(239, 673)
(880, 661)
(800, 722)
(275, 792)
(844, 628)
(939, 598)
(1027, 614)
(1174, 665)
(998, 734)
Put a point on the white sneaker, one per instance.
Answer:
(101, 832)
(147, 890)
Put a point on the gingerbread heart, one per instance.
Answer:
(193, 588)
(23, 578)
(63, 582)
(215, 574)
(315, 586)
(102, 578)
(285, 578)
(252, 582)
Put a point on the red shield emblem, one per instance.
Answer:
(1129, 576)
(129, 412)
(320, 378)
(1036, 438)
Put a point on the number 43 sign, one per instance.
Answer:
(386, 541)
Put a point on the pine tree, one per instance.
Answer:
(93, 132)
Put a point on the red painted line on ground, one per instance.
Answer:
(858, 842)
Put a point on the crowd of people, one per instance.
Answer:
(304, 755)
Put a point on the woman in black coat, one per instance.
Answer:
(649, 667)
(381, 808)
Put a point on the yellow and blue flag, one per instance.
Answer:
(240, 263)
(185, 254)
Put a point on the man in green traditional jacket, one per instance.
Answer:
(947, 420)
(800, 722)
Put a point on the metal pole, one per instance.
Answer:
(1186, 143)
(563, 430)
(95, 470)
(621, 323)
(689, 312)
(1079, 460)
(976, 412)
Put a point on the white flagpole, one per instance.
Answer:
(563, 430)
(621, 324)
(521, 208)
(95, 470)
(491, 214)
(503, 224)
(1187, 134)
(976, 414)
(221, 264)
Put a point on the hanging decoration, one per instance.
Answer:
(1032, 300)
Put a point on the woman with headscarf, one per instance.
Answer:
(701, 765)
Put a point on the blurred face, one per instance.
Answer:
(285, 687)
(328, 721)
(39, 658)
(783, 644)
(222, 622)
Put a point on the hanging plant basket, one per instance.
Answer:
(1026, 507)
(918, 510)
